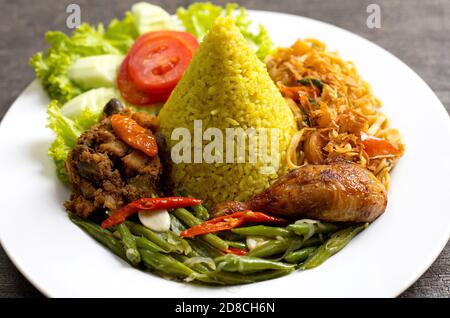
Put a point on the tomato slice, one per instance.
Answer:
(133, 94)
(188, 39)
(157, 64)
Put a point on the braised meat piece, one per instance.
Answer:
(340, 192)
(106, 173)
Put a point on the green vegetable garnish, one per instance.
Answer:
(311, 82)
(52, 67)
(67, 132)
(198, 18)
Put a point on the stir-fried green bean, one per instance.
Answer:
(175, 225)
(129, 243)
(300, 255)
(263, 230)
(182, 245)
(333, 245)
(197, 263)
(226, 278)
(162, 240)
(274, 247)
(165, 264)
(286, 245)
(190, 220)
(201, 212)
(204, 249)
(248, 264)
(237, 244)
(103, 236)
(308, 229)
(143, 243)
(204, 259)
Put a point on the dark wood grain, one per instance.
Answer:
(416, 31)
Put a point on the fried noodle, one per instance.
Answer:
(333, 108)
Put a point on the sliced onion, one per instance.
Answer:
(200, 260)
(254, 242)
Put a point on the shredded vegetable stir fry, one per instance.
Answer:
(336, 112)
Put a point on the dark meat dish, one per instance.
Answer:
(106, 173)
(340, 192)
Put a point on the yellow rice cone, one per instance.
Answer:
(226, 86)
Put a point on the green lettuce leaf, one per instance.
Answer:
(198, 18)
(51, 67)
(67, 132)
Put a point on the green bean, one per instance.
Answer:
(143, 243)
(227, 278)
(156, 238)
(201, 212)
(190, 220)
(248, 264)
(230, 236)
(165, 264)
(101, 235)
(139, 230)
(274, 247)
(262, 230)
(182, 245)
(129, 243)
(300, 255)
(236, 244)
(204, 249)
(333, 245)
(310, 229)
(196, 266)
(175, 225)
(286, 245)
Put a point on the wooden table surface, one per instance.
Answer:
(418, 32)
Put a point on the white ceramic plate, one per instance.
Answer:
(62, 261)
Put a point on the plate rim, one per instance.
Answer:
(431, 256)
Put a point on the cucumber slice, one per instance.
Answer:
(95, 71)
(149, 18)
(95, 100)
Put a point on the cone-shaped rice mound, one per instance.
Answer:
(226, 86)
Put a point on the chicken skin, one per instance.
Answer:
(339, 192)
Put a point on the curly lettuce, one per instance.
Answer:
(51, 67)
(67, 132)
(199, 17)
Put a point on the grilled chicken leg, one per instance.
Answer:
(339, 192)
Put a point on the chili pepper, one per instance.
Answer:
(136, 136)
(228, 222)
(148, 204)
(236, 251)
(379, 148)
(295, 92)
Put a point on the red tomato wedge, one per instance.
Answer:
(188, 39)
(131, 93)
(157, 64)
